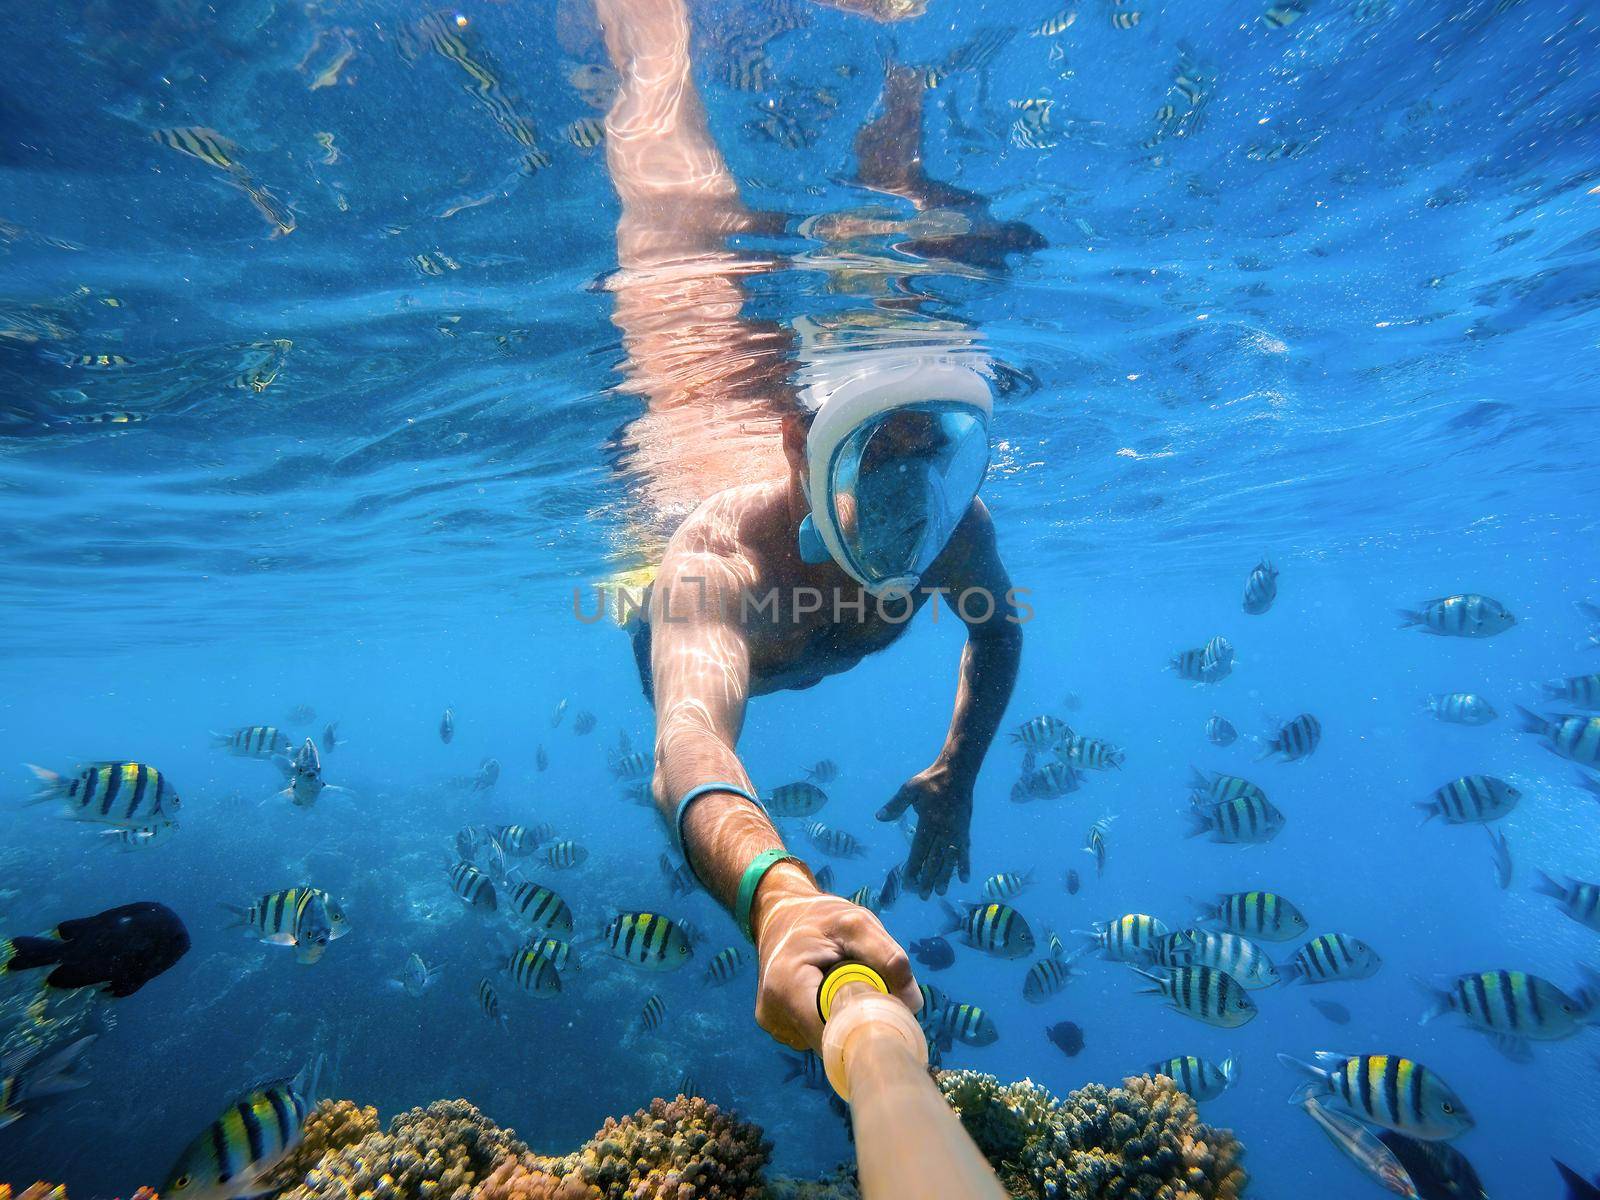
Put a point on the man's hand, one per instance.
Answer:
(800, 934)
(941, 845)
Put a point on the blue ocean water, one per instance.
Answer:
(1342, 312)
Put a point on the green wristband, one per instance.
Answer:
(751, 880)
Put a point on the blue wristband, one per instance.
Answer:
(694, 794)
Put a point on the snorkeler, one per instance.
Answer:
(817, 559)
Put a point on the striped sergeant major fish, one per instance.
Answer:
(864, 897)
(1245, 820)
(1468, 615)
(1130, 938)
(631, 766)
(807, 1068)
(1237, 956)
(251, 1137)
(254, 741)
(1472, 798)
(1218, 788)
(471, 885)
(996, 929)
(445, 37)
(1049, 782)
(745, 66)
(1094, 842)
(415, 978)
(1331, 958)
(1264, 915)
(965, 1023)
(1056, 25)
(1261, 588)
(109, 418)
(1047, 977)
(520, 841)
(1093, 753)
(1386, 1090)
(1579, 900)
(653, 1013)
(834, 841)
(534, 971)
(267, 362)
(540, 907)
(1211, 663)
(978, 51)
(24, 1076)
(1572, 737)
(1204, 993)
(1041, 733)
(1500, 855)
(648, 940)
(489, 1003)
(890, 891)
(1220, 731)
(561, 954)
(585, 133)
(447, 725)
(269, 206)
(126, 794)
(1201, 1079)
(306, 918)
(1582, 691)
(800, 799)
(1296, 740)
(1514, 1008)
(566, 854)
(1460, 708)
(1006, 885)
(102, 360)
(201, 143)
(725, 965)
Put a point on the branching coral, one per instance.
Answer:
(439, 1153)
(683, 1149)
(1141, 1140)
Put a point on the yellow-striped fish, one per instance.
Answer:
(996, 929)
(1125, 20)
(251, 1137)
(535, 972)
(648, 940)
(653, 1013)
(306, 918)
(1056, 25)
(585, 133)
(197, 141)
(1386, 1090)
(489, 1003)
(102, 360)
(126, 794)
(725, 964)
(540, 907)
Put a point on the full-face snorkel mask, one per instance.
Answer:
(894, 458)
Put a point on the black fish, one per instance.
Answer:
(1437, 1169)
(123, 948)
(1578, 1188)
(1073, 883)
(934, 953)
(1067, 1037)
(1337, 1013)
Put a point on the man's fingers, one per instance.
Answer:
(966, 863)
(803, 1005)
(897, 806)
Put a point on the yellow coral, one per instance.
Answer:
(330, 1126)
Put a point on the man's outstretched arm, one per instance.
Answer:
(701, 663)
(978, 590)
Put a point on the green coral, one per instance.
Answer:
(1141, 1140)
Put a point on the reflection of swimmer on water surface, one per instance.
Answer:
(858, 486)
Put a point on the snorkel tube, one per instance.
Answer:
(908, 1142)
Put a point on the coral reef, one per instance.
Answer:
(331, 1125)
(527, 1178)
(683, 1149)
(1140, 1140)
(55, 1191)
(440, 1152)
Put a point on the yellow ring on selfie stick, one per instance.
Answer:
(850, 972)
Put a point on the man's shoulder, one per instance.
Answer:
(734, 521)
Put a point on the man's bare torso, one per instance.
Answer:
(802, 622)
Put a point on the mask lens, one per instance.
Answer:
(902, 483)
